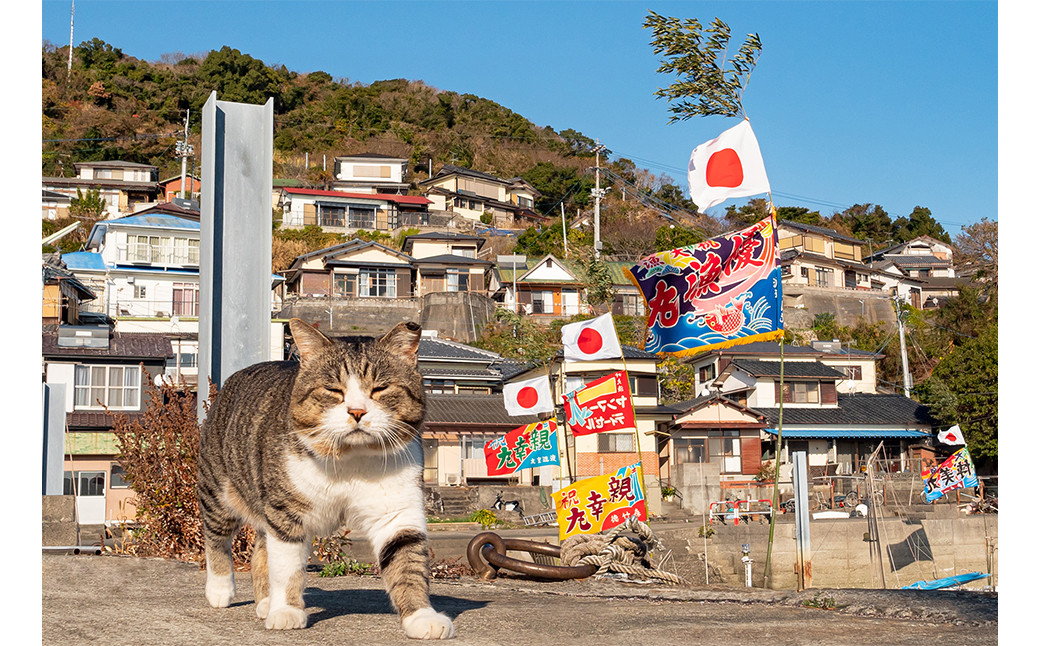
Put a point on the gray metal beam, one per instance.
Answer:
(235, 258)
(53, 439)
(803, 546)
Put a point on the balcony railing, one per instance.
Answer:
(159, 255)
(144, 308)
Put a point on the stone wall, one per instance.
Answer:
(802, 304)
(937, 546)
(459, 316)
(59, 521)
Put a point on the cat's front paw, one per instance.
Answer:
(428, 624)
(286, 618)
(220, 590)
(262, 607)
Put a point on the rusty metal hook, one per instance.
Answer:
(487, 554)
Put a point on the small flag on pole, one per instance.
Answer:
(590, 340)
(527, 447)
(603, 405)
(719, 293)
(957, 472)
(528, 397)
(952, 436)
(601, 503)
(729, 165)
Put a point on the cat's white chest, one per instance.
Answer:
(356, 490)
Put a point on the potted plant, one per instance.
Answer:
(668, 493)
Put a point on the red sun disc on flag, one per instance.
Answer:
(527, 397)
(590, 341)
(951, 437)
(724, 169)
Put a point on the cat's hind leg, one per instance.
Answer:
(286, 568)
(258, 568)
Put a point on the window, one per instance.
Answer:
(853, 373)
(724, 448)
(140, 292)
(642, 386)
(805, 272)
(525, 202)
(690, 451)
(439, 386)
(118, 387)
(801, 392)
(458, 280)
(377, 283)
(84, 483)
(118, 477)
(465, 252)
(473, 446)
(616, 442)
(706, 373)
(361, 217)
(185, 299)
(823, 275)
(372, 171)
(542, 302)
(331, 215)
(188, 360)
(846, 251)
(344, 284)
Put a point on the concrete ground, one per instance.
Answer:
(119, 600)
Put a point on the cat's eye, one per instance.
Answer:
(334, 391)
(379, 389)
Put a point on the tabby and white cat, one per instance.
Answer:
(298, 450)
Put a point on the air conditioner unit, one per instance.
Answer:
(451, 478)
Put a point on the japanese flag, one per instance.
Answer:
(952, 436)
(729, 165)
(528, 397)
(590, 340)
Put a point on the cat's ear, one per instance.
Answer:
(403, 341)
(308, 340)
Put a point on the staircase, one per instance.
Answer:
(456, 502)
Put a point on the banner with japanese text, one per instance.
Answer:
(601, 503)
(603, 405)
(957, 472)
(527, 447)
(715, 294)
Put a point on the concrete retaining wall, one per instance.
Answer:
(59, 521)
(932, 548)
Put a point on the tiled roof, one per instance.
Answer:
(629, 352)
(162, 220)
(98, 419)
(472, 410)
(862, 409)
(448, 169)
(917, 260)
(766, 348)
(435, 348)
(819, 230)
(370, 156)
(121, 345)
(115, 164)
(55, 273)
(792, 369)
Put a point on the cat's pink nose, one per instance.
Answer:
(358, 413)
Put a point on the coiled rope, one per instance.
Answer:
(617, 553)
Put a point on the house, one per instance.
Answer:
(62, 293)
(56, 205)
(482, 198)
(343, 212)
(447, 262)
(370, 173)
(819, 257)
(122, 185)
(105, 374)
(927, 263)
(628, 300)
(831, 409)
(172, 187)
(353, 269)
(546, 288)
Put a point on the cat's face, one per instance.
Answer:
(357, 396)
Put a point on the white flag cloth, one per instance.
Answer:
(590, 340)
(528, 397)
(729, 165)
(952, 436)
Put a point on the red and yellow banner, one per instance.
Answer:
(526, 447)
(603, 405)
(601, 503)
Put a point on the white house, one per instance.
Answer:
(370, 173)
(122, 185)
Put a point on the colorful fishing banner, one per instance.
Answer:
(603, 405)
(527, 447)
(715, 294)
(601, 503)
(957, 472)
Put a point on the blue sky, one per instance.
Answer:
(887, 102)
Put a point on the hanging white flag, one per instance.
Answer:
(952, 436)
(528, 397)
(590, 340)
(729, 165)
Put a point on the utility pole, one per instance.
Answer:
(563, 220)
(598, 194)
(72, 19)
(907, 382)
(184, 150)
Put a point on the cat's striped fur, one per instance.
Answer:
(298, 450)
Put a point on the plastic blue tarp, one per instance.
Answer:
(947, 582)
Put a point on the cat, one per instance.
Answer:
(297, 450)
